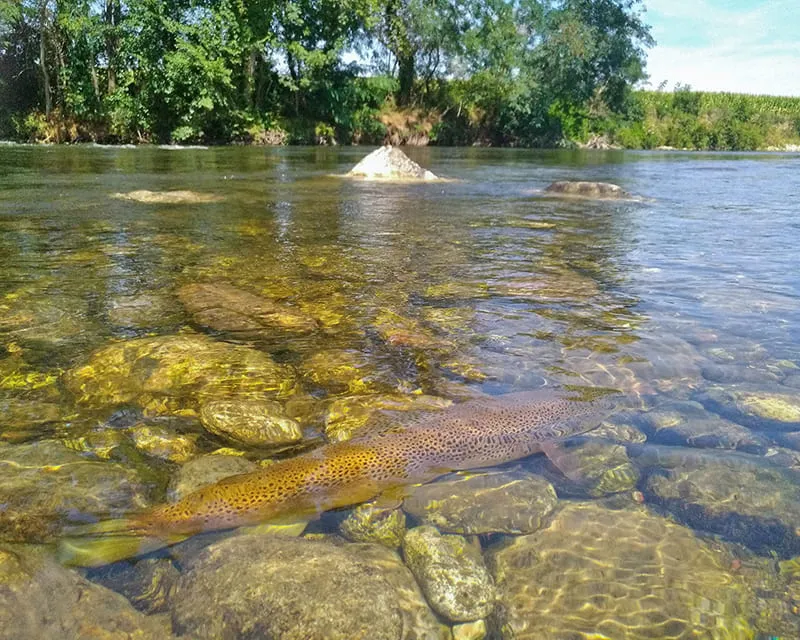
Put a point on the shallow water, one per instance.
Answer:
(687, 301)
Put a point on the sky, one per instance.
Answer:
(745, 46)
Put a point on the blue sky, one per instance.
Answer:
(750, 46)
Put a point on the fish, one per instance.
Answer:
(384, 461)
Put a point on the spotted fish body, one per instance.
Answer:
(477, 433)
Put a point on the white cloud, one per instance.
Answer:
(770, 69)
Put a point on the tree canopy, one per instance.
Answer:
(509, 72)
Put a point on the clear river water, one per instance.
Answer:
(151, 342)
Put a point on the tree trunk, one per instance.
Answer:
(406, 73)
(112, 18)
(48, 97)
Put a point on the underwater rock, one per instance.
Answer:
(793, 381)
(495, 502)
(371, 523)
(616, 428)
(470, 630)
(345, 370)
(224, 307)
(345, 416)
(597, 190)
(451, 572)
(390, 162)
(168, 197)
(254, 423)
(742, 498)
(596, 572)
(755, 407)
(277, 587)
(41, 599)
(205, 470)
(400, 331)
(143, 311)
(160, 442)
(20, 414)
(44, 486)
(734, 373)
(689, 424)
(174, 374)
(145, 583)
(586, 466)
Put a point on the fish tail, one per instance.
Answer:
(109, 541)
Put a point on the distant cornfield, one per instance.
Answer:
(699, 120)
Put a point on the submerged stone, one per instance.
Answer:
(371, 523)
(495, 502)
(224, 307)
(595, 572)
(251, 422)
(583, 189)
(451, 572)
(756, 407)
(345, 370)
(206, 470)
(586, 466)
(277, 587)
(44, 486)
(146, 583)
(742, 498)
(163, 443)
(174, 374)
(345, 416)
(390, 163)
(41, 599)
(168, 197)
(688, 423)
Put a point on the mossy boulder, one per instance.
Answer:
(451, 573)
(742, 498)
(41, 599)
(346, 370)
(756, 407)
(146, 583)
(276, 587)
(251, 422)
(44, 486)
(495, 502)
(229, 309)
(585, 189)
(628, 574)
(163, 443)
(175, 374)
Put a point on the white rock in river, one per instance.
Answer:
(390, 162)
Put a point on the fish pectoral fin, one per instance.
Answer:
(393, 498)
(96, 552)
(288, 529)
(556, 452)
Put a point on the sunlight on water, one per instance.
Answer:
(170, 318)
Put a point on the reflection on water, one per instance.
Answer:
(150, 345)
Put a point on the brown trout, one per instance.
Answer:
(477, 433)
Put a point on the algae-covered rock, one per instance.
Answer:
(583, 189)
(345, 416)
(251, 422)
(595, 572)
(451, 572)
(168, 197)
(688, 423)
(143, 311)
(756, 407)
(160, 442)
(224, 307)
(402, 331)
(146, 583)
(470, 630)
(205, 470)
(371, 523)
(44, 485)
(41, 599)
(174, 374)
(496, 502)
(589, 466)
(742, 498)
(293, 588)
(22, 415)
(735, 373)
(389, 162)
